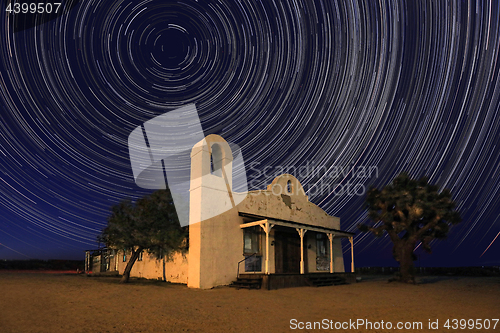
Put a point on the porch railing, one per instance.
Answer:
(239, 262)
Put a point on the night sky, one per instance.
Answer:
(396, 86)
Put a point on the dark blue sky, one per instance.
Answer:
(395, 86)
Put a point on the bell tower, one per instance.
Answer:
(211, 179)
(210, 196)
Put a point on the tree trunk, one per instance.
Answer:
(164, 275)
(404, 252)
(130, 264)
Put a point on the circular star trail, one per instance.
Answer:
(323, 85)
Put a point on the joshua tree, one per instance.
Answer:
(410, 211)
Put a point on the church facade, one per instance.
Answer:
(275, 231)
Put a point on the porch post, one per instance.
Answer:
(330, 237)
(352, 254)
(301, 232)
(267, 229)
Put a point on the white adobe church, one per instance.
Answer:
(274, 234)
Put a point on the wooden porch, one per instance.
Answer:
(289, 280)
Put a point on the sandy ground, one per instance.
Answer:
(31, 302)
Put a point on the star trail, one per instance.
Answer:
(393, 85)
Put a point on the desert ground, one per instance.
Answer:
(34, 302)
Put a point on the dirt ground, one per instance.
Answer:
(32, 302)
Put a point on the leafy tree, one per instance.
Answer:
(410, 211)
(151, 225)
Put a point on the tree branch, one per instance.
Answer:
(428, 226)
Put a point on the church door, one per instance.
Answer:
(287, 252)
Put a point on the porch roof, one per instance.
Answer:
(257, 220)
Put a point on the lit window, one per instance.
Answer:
(140, 256)
(251, 241)
(322, 253)
(251, 250)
